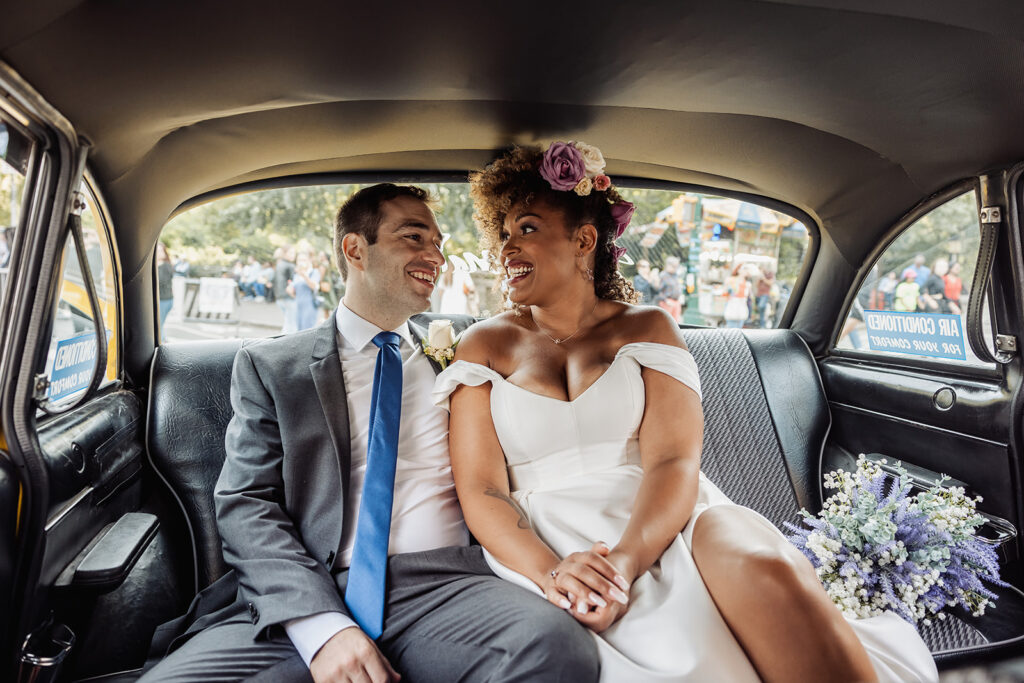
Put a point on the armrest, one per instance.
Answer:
(107, 560)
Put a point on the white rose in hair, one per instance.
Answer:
(440, 334)
(593, 160)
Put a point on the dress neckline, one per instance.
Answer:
(618, 355)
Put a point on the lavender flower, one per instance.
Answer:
(877, 548)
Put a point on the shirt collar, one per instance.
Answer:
(358, 332)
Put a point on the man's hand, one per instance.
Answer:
(351, 657)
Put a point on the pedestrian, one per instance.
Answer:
(670, 290)
(954, 288)
(284, 271)
(642, 283)
(908, 292)
(165, 289)
(887, 287)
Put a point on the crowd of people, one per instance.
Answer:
(753, 296)
(302, 283)
(921, 289)
(662, 288)
(299, 281)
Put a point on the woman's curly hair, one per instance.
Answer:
(514, 178)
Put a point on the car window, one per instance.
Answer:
(228, 268)
(14, 160)
(914, 301)
(73, 349)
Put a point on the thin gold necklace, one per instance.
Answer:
(578, 327)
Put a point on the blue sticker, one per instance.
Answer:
(937, 335)
(73, 362)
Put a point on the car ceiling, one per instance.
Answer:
(850, 111)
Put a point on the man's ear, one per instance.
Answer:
(353, 248)
(586, 238)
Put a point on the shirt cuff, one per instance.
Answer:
(309, 634)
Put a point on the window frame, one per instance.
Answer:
(988, 371)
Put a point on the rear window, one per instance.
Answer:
(228, 268)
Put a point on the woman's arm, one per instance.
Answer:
(494, 518)
(671, 435)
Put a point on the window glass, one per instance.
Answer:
(228, 268)
(73, 350)
(914, 301)
(15, 151)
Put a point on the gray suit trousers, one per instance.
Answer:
(448, 619)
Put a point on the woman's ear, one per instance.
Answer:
(353, 248)
(586, 238)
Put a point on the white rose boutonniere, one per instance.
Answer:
(440, 342)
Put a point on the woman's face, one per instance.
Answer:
(538, 253)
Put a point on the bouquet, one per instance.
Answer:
(876, 548)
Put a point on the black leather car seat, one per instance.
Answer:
(766, 422)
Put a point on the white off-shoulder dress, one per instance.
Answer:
(574, 468)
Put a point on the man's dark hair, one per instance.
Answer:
(360, 214)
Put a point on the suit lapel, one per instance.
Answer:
(419, 332)
(418, 327)
(330, 387)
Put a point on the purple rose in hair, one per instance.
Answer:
(622, 213)
(562, 166)
(617, 253)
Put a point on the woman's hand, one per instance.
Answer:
(585, 582)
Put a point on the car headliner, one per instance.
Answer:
(850, 111)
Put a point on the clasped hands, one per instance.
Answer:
(592, 586)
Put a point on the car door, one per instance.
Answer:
(81, 544)
(903, 381)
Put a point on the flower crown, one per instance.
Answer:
(579, 167)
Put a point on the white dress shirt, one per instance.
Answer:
(426, 512)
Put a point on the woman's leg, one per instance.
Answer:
(770, 596)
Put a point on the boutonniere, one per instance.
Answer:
(440, 342)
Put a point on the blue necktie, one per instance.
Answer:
(364, 593)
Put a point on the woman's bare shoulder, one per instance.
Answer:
(482, 341)
(649, 324)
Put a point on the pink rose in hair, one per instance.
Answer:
(602, 182)
(562, 166)
(617, 253)
(622, 212)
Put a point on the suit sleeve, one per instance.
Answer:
(276, 573)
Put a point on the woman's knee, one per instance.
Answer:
(737, 549)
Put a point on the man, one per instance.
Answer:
(291, 509)
(670, 290)
(284, 272)
(642, 282)
(921, 271)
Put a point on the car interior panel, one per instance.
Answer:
(869, 125)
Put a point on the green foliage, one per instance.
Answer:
(12, 184)
(215, 235)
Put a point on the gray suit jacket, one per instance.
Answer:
(280, 496)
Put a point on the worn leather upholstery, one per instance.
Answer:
(189, 410)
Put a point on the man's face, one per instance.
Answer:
(401, 267)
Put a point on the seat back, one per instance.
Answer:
(765, 418)
(189, 411)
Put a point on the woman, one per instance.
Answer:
(304, 288)
(954, 288)
(576, 430)
(738, 289)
